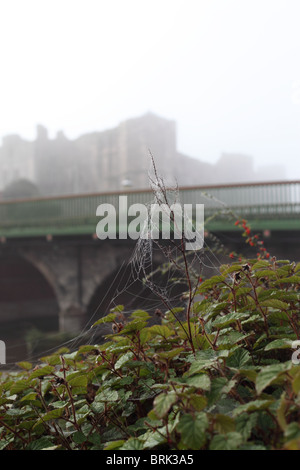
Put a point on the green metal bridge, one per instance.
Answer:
(273, 206)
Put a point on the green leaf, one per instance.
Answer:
(40, 444)
(80, 381)
(216, 390)
(170, 354)
(292, 431)
(132, 327)
(112, 445)
(230, 441)
(261, 264)
(78, 437)
(117, 308)
(231, 269)
(211, 282)
(140, 314)
(123, 359)
(199, 381)
(161, 330)
(266, 273)
(52, 360)
(193, 430)
(25, 365)
(107, 395)
(198, 402)
(163, 402)
(221, 322)
(223, 424)
(132, 444)
(153, 439)
(50, 416)
(275, 303)
(296, 384)
(253, 406)
(29, 397)
(19, 386)
(107, 319)
(289, 280)
(205, 359)
(5, 442)
(270, 374)
(46, 370)
(283, 343)
(245, 423)
(281, 412)
(238, 359)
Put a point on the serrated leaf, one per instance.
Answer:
(107, 319)
(29, 397)
(107, 395)
(19, 386)
(161, 330)
(289, 280)
(25, 365)
(170, 354)
(123, 359)
(252, 406)
(292, 431)
(50, 416)
(275, 303)
(152, 439)
(266, 273)
(198, 402)
(239, 359)
(193, 430)
(260, 264)
(231, 269)
(205, 359)
(132, 444)
(41, 372)
(199, 381)
(209, 283)
(269, 374)
(224, 424)
(221, 322)
(230, 441)
(79, 381)
(245, 423)
(283, 343)
(40, 444)
(140, 314)
(163, 402)
(112, 445)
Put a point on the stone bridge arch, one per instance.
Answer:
(75, 271)
(27, 294)
(124, 287)
(81, 273)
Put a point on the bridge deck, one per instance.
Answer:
(274, 206)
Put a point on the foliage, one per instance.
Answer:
(220, 377)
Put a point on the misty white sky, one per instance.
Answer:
(227, 71)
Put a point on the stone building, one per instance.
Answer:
(113, 159)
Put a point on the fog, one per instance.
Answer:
(225, 74)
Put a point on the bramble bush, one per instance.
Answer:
(220, 376)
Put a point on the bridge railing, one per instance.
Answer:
(77, 213)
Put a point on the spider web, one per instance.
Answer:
(158, 280)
